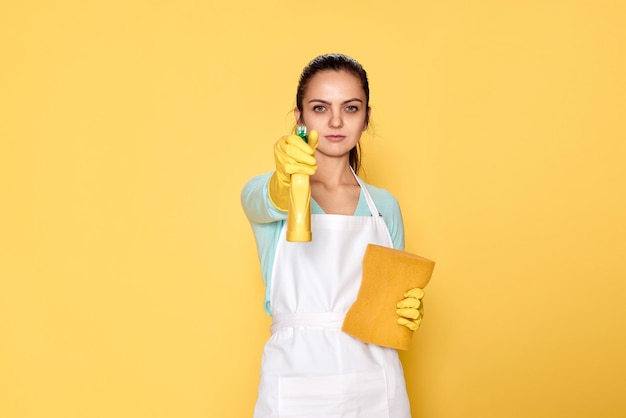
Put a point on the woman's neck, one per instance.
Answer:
(334, 187)
(334, 172)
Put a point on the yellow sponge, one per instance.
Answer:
(387, 274)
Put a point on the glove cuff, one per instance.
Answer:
(278, 193)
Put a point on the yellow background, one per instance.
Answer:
(129, 281)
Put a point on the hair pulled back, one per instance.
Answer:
(336, 62)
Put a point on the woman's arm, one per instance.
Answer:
(256, 202)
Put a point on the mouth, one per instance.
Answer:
(335, 138)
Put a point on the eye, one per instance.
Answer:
(318, 108)
(352, 108)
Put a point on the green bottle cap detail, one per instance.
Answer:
(301, 132)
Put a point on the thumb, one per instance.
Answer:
(312, 138)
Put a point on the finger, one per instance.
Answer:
(286, 160)
(295, 168)
(293, 156)
(408, 313)
(409, 303)
(292, 152)
(313, 138)
(409, 324)
(416, 293)
(299, 143)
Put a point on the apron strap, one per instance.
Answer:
(370, 202)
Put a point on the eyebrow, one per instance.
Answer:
(356, 99)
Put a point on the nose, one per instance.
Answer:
(336, 120)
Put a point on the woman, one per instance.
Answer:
(310, 368)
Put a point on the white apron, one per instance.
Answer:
(310, 368)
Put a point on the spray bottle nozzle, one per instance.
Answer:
(301, 132)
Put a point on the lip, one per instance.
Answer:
(335, 138)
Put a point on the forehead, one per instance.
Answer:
(330, 84)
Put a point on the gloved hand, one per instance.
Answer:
(292, 156)
(411, 309)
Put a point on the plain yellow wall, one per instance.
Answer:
(129, 283)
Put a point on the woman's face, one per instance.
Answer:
(334, 104)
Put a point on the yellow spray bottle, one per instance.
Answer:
(299, 209)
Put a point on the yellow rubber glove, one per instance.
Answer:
(292, 156)
(411, 309)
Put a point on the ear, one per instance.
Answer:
(298, 115)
